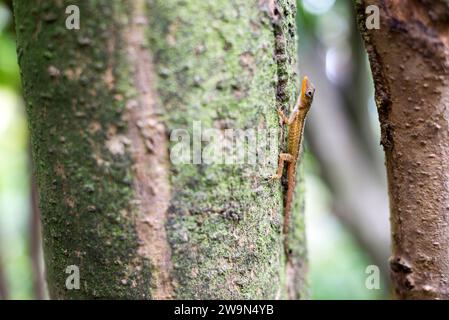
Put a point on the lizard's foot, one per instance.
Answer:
(282, 117)
(275, 177)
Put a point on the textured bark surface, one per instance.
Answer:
(102, 102)
(409, 59)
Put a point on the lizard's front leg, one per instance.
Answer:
(282, 116)
(283, 157)
(288, 120)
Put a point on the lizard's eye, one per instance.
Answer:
(309, 93)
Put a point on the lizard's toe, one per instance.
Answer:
(274, 177)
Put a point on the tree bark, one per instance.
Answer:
(409, 58)
(102, 102)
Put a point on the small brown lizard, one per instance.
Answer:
(295, 125)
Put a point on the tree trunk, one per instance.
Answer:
(409, 59)
(102, 102)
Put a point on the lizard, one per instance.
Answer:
(295, 123)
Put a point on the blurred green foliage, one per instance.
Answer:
(9, 70)
(14, 169)
(337, 263)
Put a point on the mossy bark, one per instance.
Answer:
(102, 102)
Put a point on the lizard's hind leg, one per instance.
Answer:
(283, 157)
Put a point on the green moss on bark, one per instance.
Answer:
(74, 104)
(219, 63)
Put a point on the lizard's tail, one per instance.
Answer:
(288, 207)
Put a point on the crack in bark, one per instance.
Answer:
(151, 162)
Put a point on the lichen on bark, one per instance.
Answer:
(224, 70)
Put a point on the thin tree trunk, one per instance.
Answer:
(409, 59)
(102, 102)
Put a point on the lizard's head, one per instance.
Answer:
(308, 90)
